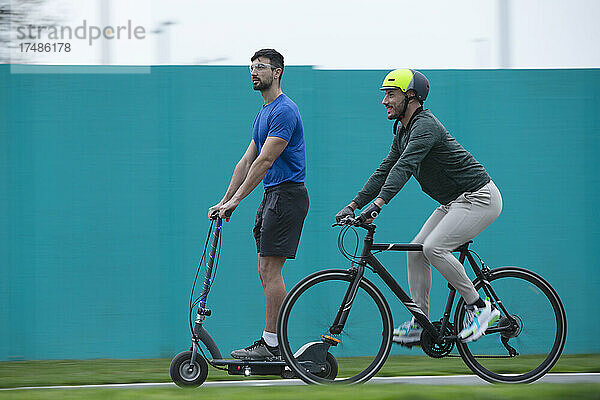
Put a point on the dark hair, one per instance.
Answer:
(275, 58)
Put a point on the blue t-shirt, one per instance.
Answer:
(281, 118)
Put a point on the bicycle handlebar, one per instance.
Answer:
(354, 222)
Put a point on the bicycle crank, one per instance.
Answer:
(434, 349)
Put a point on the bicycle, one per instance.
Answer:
(349, 309)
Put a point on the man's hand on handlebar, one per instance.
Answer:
(215, 211)
(343, 213)
(226, 209)
(370, 213)
(348, 220)
(346, 215)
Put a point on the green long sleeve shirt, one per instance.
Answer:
(425, 150)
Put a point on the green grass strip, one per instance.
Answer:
(544, 391)
(86, 372)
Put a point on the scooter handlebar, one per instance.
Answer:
(215, 214)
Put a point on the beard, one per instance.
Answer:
(395, 114)
(262, 84)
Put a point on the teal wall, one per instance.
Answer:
(105, 180)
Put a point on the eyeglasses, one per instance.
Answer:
(261, 66)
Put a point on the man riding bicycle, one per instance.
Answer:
(470, 201)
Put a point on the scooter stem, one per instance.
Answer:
(209, 266)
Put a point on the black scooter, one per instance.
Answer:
(190, 368)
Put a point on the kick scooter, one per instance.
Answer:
(190, 368)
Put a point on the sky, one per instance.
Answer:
(349, 34)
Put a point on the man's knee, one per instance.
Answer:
(269, 268)
(433, 250)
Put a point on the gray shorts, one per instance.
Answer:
(280, 218)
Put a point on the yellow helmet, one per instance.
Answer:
(405, 79)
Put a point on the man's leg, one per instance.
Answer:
(419, 270)
(419, 281)
(269, 270)
(467, 216)
(277, 232)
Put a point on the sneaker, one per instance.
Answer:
(409, 333)
(477, 320)
(259, 350)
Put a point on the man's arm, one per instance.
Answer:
(422, 139)
(377, 179)
(272, 149)
(240, 172)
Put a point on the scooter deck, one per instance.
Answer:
(236, 361)
(311, 356)
(251, 367)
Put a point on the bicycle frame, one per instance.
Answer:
(367, 258)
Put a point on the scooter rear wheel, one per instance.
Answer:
(331, 368)
(185, 374)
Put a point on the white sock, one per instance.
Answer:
(270, 338)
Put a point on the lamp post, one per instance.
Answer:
(163, 42)
(504, 25)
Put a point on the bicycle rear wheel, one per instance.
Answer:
(538, 333)
(308, 312)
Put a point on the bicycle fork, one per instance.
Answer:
(342, 314)
(344, 310)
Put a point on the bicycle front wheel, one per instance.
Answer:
(309, 311)
(537, 329)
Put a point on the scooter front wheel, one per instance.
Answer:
(185, 374)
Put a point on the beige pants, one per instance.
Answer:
(450, 226)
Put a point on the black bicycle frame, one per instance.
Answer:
(367, 258)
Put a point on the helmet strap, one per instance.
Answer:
(405, 106)
(406, 101)
(396, 125)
